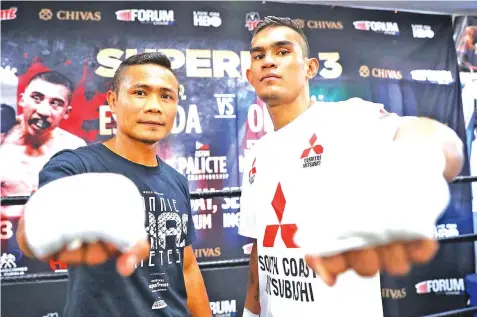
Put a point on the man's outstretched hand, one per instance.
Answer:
(99, 252)
(395, 258)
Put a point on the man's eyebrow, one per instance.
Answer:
(37, 93)
(146, 86)
(274, 45)
(140, 86)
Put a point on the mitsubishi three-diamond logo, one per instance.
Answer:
(287, 231)
(251, 174)
(311, 156)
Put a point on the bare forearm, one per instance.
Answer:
(252, 300)
(197, 299)
(451, 144)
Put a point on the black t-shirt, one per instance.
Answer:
(157, 287)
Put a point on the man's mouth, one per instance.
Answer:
(270, 76)
(152, 122)
(39, 123)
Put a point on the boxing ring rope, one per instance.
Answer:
(44, 277)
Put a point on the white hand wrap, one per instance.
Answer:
(378, 196)
(247, 313)
(84, 208)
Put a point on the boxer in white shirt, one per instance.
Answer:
(308, 174)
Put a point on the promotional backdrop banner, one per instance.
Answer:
(405, 61)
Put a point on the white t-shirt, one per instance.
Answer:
(280, 173)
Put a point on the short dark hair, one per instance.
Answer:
(56, 78)
(155, 58)
(271, 21)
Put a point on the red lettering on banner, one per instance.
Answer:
(287, 230)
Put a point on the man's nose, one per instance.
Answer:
(43, 108)
(154, 104)
(269, 61)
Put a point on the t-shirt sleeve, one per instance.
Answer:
(248, 221)
(191, 236)
(389, 122)
(63, 164)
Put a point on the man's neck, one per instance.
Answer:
(33, 141)
(132, 150)
(283, 114)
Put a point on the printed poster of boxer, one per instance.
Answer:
(465, 37)
(58, 59)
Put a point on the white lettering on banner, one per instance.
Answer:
(202, 221)
(203, 204)
(258, 119)
(242, 161)
(231, 202)
(187, 122)
(446, 230)
(183, 123)
(441, 77)
(332, 69)
(156, 17)
(182, 94)
(202, 166)
(231, 219)
(422, 31)
(389, 28)
(207, 18)
(450, 286)
(198, 167)
(6, 230)
(203, 63)
(224, 308)
(106, 118)
(225, 106)
(51, 315)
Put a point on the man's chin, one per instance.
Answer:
(271, 95)
(36, 132)
(150, 140)
(271, 100)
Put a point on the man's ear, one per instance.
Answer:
(67, 112)
(21, 101)
(312, 65)
(111, 98)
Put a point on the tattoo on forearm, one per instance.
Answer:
(257, 294)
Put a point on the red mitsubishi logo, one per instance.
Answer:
(253, 170)
(287, 230)
(318, 149)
